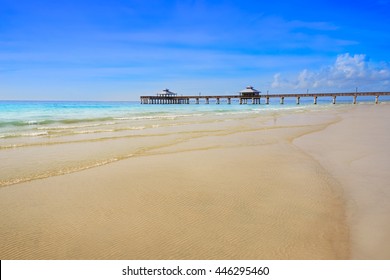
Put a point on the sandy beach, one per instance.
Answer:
(298, 184)
(356, 153)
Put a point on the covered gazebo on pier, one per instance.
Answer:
(166, 93)
(165, 97)
(249, 91)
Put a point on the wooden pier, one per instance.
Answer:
(252, 99)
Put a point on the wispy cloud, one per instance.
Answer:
(347, 72)
(296, 34)
(227, 31)
(314, 25)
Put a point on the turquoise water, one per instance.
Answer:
(51, 118)
(45, 118)
(39, 139)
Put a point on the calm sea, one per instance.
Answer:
(40, 139)
(54, 118)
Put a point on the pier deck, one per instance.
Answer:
(255, 99)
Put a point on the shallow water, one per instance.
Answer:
(39, 139)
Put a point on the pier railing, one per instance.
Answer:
(254, 99)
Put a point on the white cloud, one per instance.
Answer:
(347, 72)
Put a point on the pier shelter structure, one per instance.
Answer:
(249, 93)
(165, 97)
(166, 93)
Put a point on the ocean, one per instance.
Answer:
(40, 139)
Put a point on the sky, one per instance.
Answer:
(121, 49)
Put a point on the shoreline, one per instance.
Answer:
(245, 191)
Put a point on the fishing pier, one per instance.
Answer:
(249, 96)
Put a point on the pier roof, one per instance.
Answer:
(166, 92)
(249, 90)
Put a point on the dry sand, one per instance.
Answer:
(253, 191)
(356, 152)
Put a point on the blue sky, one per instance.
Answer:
(120, 49)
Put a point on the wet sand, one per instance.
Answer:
(249, 191)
